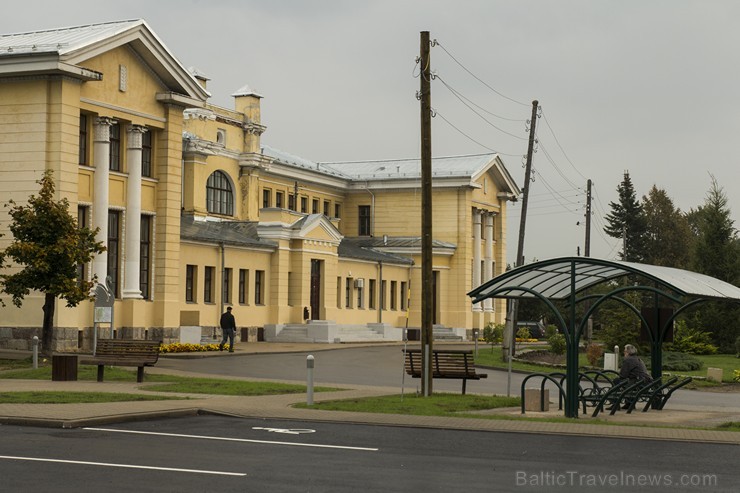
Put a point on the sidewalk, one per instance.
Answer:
(650, 425)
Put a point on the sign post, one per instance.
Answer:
(103, 310)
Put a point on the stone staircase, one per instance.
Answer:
(441, 333)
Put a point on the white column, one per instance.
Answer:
(488, 258)
(101, 153)
(133, 213)
(476, 253)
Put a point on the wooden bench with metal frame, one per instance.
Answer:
(446, 363)
(124, 352)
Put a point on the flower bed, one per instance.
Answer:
(178, 347)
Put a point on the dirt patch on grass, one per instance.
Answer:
(540, 356)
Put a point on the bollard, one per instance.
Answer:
(309, 382)
(35, 352)
(475, 337)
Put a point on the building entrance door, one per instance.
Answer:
(316, 289)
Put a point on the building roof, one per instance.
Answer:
(358, 248)
(64, 51)
(442, 167)
(235, 233)
(459, 169)
(553, 278)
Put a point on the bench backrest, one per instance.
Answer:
(444, 362)
(135, 350)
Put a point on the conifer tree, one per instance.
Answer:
(627, 222)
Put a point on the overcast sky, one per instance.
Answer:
(645, 86)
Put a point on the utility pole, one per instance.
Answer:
(426, 216)
(587, 253)
(513, 305)
(587, 246)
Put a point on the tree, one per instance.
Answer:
(48, 246)
(668, 236)
(716, 253)
(627, 221)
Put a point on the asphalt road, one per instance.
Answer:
(210, 453)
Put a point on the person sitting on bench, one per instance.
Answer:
(633, 369)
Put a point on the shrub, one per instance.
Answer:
(691, 341)
(737, 376)
(523, 333)
(493, 333)
(557, 343)
(594, 352)
(673, 361)
(550, 331)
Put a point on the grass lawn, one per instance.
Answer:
(728, 363)
(76, 397)
(165, 383)
(231, 387)
(435, 405)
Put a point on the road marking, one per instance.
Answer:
(227, 439)
(126, 466)
(287, 431)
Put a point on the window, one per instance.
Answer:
(219, 197)
(339, 291)
(114, 232)
(266, 197)
(371, 294)
(382, 295)
(208, 284)
(337, 210)
(83, 140)
(82, 215)
(348, 292)
(279, 200)
(291, 202)
(364, 220)
(327, 208)
(146, 154)
(243, 286)
(259, 287)
(221, 136)
(315, 206)
(145, 256)
(360, 303)
(115, 148)
(190, 272)
(403, 295)
(226, 293)
(394, 295)
(304, 204)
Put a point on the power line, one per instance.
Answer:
(561, 147)
(463, 101)
(476, 77)
(437, 113)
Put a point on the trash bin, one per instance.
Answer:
(63, 367)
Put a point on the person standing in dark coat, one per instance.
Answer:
(228, 326)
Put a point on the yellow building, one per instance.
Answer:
(198, 214)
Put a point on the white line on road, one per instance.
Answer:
(127, 466)
(227, 439)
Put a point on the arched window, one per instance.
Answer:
(219, 195)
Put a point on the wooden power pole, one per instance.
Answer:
(587, 245)
(427, 293)
(510, 336)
